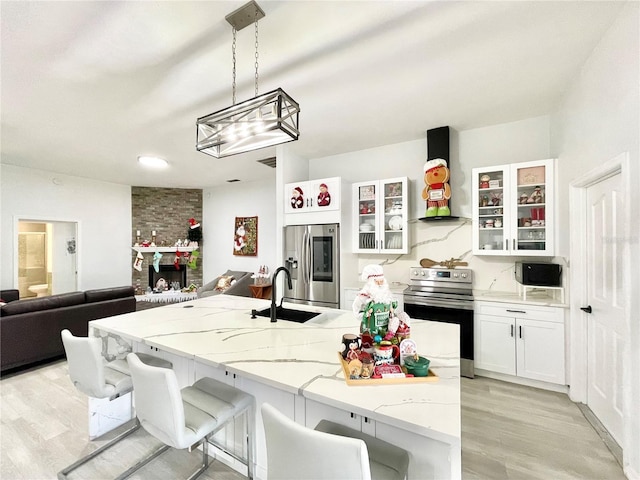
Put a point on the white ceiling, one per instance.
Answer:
(88, 86)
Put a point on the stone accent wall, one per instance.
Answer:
(167, 211)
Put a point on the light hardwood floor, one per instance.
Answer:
(508, 432)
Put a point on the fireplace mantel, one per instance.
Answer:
(163, 249)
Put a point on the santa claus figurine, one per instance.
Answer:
(241, 238)
(324, 198)
(297, 198)
(194, 233)
(374, 305)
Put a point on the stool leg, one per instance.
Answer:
(142, 463)
(251, 420)
(62, 475)
(205, 459)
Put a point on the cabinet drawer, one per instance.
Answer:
(548, 314)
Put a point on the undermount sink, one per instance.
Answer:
(289, 314)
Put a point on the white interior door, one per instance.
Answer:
(607, 332)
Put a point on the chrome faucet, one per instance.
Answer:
(273, 291)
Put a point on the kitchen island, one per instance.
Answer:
(295, 367)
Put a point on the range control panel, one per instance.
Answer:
(461, 275)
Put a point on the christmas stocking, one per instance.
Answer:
(137, 263)
(192, 259)
(156, 261)
(176, 261)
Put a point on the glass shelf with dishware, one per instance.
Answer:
(381, 216)
(511, 200)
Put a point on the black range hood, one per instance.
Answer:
(438, 147)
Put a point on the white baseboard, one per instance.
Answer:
(631, 473)
(522, 381)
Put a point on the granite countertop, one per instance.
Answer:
(540, 298)
(302, 358)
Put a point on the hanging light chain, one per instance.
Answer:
(233, 51)
(256, 22)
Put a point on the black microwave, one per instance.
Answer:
(539, 274)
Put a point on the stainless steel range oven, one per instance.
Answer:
(444, 295)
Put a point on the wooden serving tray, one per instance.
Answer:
(431, 377)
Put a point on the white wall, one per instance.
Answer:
(63, 263)
(514, 142)
(597, 121)
(506, 143)
(102, 211)
(220, 206)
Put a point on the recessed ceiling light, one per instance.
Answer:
(153, 162)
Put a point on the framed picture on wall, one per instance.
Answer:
(245, 236)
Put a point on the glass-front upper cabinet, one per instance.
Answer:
(380, 213)
(514, 209)
(491, 228)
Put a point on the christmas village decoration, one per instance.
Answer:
(262, 276)
(383, 351)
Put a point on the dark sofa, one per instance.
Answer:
(9, 295)
(30, 328)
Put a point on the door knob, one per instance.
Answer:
(586, 309)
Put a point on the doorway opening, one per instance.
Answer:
(600, 312)
(46, 257)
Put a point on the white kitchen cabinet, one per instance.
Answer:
(312, 195)
(315, 412)
(426, 453)
(348, 296)
(380, 216)
(232, 436)
(521, 340)
(513, 209)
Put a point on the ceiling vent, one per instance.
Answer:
(269, 162)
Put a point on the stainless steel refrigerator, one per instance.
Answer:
(312, 255)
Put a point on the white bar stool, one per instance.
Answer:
(189, 417)
(329, 452)
(93, 376)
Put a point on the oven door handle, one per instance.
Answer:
(431, 302)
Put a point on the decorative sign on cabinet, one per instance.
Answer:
(380, 215)
(521, 340)
(513, 209)
(312, 195)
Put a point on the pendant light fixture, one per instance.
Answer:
(263, 121)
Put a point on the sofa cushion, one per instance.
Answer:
(236, 275)
(224, 282)
(102, 294)
(42, 303)
(69, 299)
(29, 305)
(10, 295)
